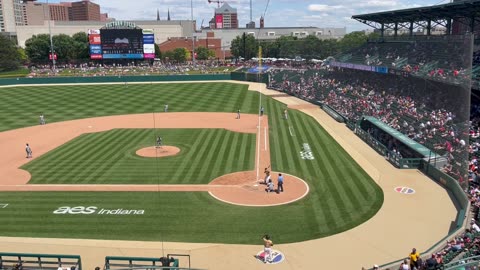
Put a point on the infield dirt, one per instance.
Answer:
(403, 222)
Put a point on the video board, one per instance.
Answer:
(122, 44)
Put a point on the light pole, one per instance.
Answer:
(52, 52)
(193, 33)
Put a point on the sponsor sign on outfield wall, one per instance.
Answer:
(90, 210)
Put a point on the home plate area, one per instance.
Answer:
(275, 258)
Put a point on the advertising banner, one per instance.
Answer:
(219, 21)
(94, 32)
(94, 39)
(147, 31)
(95, 49)
(149, 48)
(123, 56)
(148, 39)
(148, 55)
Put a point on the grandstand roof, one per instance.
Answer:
(467, 8)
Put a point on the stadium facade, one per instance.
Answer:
(162, 29)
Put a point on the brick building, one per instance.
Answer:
(226, 17)
(209, 42)
(85, 11)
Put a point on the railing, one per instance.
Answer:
(140, 263)
(39, 261)
(376, 145)
(462, 264)
(333, 113)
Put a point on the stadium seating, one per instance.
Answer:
(400, 102)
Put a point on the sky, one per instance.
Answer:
(279, 13)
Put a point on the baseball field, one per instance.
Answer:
(341, 195)
(98, 186)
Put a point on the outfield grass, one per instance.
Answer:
(341, 194)
(109, 158)
(21, 106)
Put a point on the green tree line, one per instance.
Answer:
(76, 48)
(310, 47)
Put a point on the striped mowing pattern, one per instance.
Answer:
(109, 158)
(341, 194)
(21, 106)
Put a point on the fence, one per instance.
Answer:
(39, 261)
(129, 263)
(114, 79)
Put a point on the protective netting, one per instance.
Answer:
(419, 86)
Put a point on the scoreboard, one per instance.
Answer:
(121, 43)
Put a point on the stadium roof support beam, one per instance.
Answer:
(472, 24)
(429, 27)
(465, 12)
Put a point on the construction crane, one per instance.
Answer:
(216, 1)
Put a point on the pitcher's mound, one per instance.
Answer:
(153, 151)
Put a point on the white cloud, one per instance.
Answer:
(321, 13)
(323, 8)
(380, 3)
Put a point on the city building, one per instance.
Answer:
(272, 33)
(11, 15)
(209, 41)
(85, 11)
(34, 13)
(162, 29)
(225, 17)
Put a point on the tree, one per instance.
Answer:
(310, 47)
(81, 45)
(158, 53)
(180, 55)
(168, 55)
(353, 40)
(328, 47)
(9, 56)
(23, 55)
(37, 48)
(244, 46)
(269, 49)
(64, 47)
(203, 53)
(287, 46)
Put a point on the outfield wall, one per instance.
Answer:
(114, 79)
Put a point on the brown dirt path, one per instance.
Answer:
(403, 222)
(47, 137)
(50, 136)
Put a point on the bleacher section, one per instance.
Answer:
(437, 121)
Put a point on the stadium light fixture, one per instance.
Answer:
(193, 33)
(52, 51)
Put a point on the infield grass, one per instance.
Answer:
(341, 194)
(109, 158)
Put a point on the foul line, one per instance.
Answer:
(292, 133)
(265, 128)
(3, 205)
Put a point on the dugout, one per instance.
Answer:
(400, 150)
